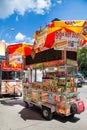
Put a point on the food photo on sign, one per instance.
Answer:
(40, 39)
(68, 40)
(15, 58)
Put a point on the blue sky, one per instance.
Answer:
(27, 16)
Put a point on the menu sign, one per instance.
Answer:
(68, 40)
(15, 58)
(40, 41)
(13, 67)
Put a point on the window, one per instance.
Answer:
(18, 75)
(38, 75)
(11, 75)
(33, 75)
(8, 75)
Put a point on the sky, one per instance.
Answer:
(19, 19)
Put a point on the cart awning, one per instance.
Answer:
(45, 37)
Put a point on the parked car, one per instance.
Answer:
(79, 79)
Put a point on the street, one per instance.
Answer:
(14, 116)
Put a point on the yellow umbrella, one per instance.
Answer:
(75, 26)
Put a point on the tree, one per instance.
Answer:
(82, 60)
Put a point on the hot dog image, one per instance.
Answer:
(60, 44)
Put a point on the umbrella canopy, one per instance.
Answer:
(23, 48)
(47, 39)
(75, 26)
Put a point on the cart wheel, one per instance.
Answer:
(46, 112)
(73, 109)
(26, 105)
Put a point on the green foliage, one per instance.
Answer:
(82, 60)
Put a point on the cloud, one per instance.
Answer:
(17, 18)
(59, 1)
(29, 40)
(22, 38)
(19, 37)
(42, 6)
(22, 6)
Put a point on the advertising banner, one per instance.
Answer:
(40, 39)
(68, 40)
(11, 67)
(15, 58)
(10, 87)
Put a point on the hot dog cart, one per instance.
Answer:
(11, 80)
(48, 80)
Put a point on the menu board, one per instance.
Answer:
(40, 40)
(68, 40)
(15, 58)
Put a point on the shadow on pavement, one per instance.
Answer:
(31, 113)
(34, 112)
(66, 119)
(12, 102)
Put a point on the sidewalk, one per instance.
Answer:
(85, 82)
(7, 99)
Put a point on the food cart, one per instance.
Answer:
(12, 69)
(11, 83)
(48, 80)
